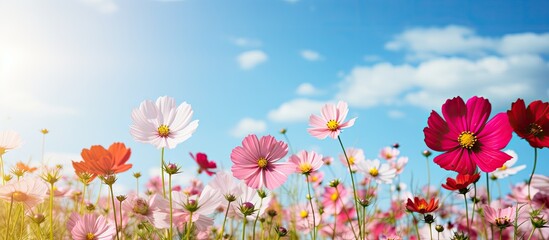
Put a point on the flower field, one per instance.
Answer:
(271, 191)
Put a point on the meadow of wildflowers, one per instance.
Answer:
(249, 202)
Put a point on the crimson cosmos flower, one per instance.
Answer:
(203, 163)
(465, 137)
(531, 123)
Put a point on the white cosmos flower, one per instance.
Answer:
(382, 173)
(163, 124)
(507, 169)
(9, 140)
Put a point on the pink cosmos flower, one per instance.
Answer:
(194, 188)
(163, 124)
(389, 153)
(331, 121)
(306, 162)
(28, 191)
(155, 209)
(303, 217)
(354, 155)
(333, 201)
(256, 162)
(226, 185)
(204, 164)
(501, 218)
(90, 226)
(466, 138)
(540, 182)
(9, 140)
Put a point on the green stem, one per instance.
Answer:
(114, 212)
(334, 230)
(189, 227)
(9, 216)
(120, 213)
(310, 197)
(531, 233)
(416, 227)
(137, 186)
(353, 183)
(2, 169)
(500, 233)
(170, 233)
(430, 231)
(81, 208)
(256, 218)
(244, 227)
(533, 170)
(488, 188)
(51, 211)
(224, 221)
(467, 214)
(162, 173)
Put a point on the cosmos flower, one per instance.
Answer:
(531, 123)
(333, 201)
(204, 164)
(461, 182)
(306, 162)
(354, 155)
(382, 173)
(163, 124)
(154, 210)
(389, 153)
(507, 169)
(9, 140)
(100, 161)
(420, 205)
(465, 137)
(250, 195)
(541, 182)
(256, 162)
(201, 207)
(331, 121)
(90, 226)
(501, 218)
(225, 184)
(28, 191)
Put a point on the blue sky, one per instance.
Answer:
(79, 67)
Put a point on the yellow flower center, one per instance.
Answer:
(19, 196)
(351, 160)
(303, 214)
(262, 162)
(422, 206)
(503, 168)
(388, 156)
(503, 221)
(90, 236)
(467, 139)
(332, 125)
(163, 131)
(374, 172)
(535, 129)
(305, 168)
(314, 179)
(334, 196)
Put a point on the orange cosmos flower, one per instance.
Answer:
(100, 161)
(420, 205)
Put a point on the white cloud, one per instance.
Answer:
(248, 126)
(525, 43)
(310, 55)
(429, 43)
(246, 42)
(424, 42)
(500, 79)
(52, 159)
(295, 110)
(307, 89)
(380, 84)
(250, 59)
(103, 6)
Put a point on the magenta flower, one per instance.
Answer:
(256, 162)
(90, 226)
(331, 121)
(466, 138)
